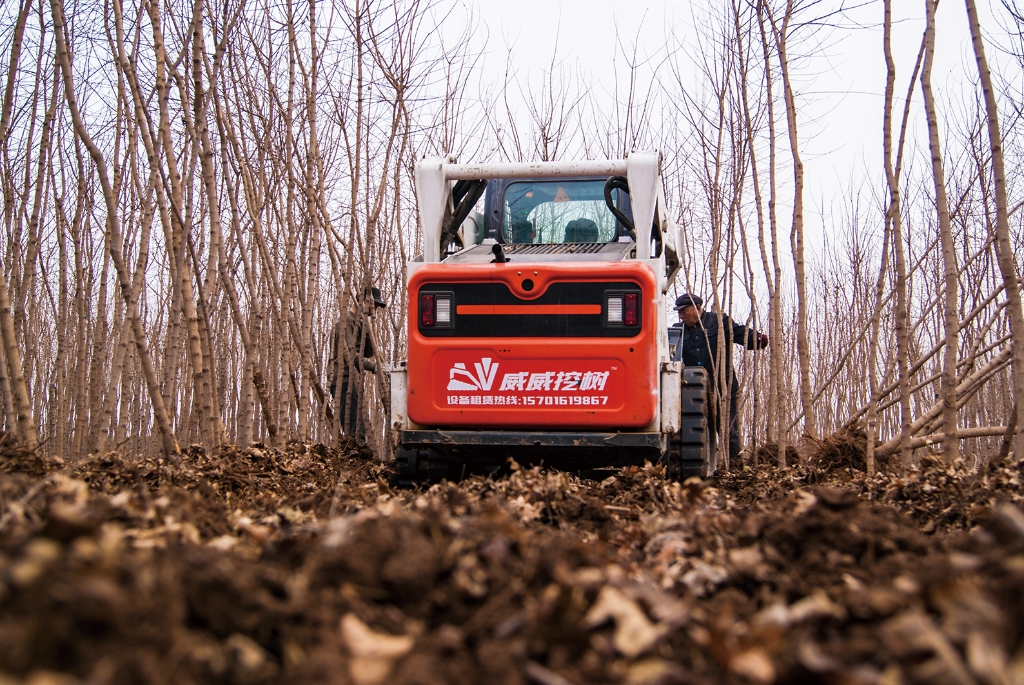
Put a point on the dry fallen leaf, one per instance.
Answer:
(755, 665)
(38, 556)
(913, 630)
(815, 605)
(986, 658)
(654, 671)
(634, 633)
(373, 653)
(43, 678)
(252, 663)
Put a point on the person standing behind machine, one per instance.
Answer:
(357, 341)
(700, 346)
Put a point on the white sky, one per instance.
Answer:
(840, 86)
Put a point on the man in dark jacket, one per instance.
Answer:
(358, 342)
(700, 347)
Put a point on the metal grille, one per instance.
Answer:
(574, 248)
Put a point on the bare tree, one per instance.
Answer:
(1004, 249)
(25, 423)
(894, 217)
(780, 35)
(951, 445)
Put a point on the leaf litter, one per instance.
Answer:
(308, 565)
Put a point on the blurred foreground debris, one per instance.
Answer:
(308, 566)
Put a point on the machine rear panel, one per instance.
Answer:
(531, 345)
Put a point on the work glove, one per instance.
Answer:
(762, 340)
(369, 365)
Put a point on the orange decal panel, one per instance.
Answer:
(523, 382)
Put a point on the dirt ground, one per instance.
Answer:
(308, 565)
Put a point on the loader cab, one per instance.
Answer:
(554, 211)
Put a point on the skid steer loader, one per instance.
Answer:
(537, 330)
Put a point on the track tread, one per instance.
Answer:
(691, 451)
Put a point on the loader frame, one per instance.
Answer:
(676, 430)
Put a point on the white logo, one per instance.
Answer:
(551, 381)
(484, 378)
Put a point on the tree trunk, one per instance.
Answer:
(1004, 248)
(951, 446)
(797, 233)
(25, 427)
(778, 384)
(894, 215)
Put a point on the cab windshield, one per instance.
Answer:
(558, 212)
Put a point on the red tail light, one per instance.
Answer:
(426, 310)
(630, 309)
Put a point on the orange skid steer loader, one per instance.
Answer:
(537, 330)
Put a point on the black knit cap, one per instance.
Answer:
(686, 299)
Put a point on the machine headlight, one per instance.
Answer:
(443, 311)
(614, 310)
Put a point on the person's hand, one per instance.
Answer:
(762, 340)
(369, 365)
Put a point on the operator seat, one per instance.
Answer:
(581, 231)
(523, 231)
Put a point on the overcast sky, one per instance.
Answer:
(840, 86)
(840, 83)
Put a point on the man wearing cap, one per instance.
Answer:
(355, 331)
(700, 347)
